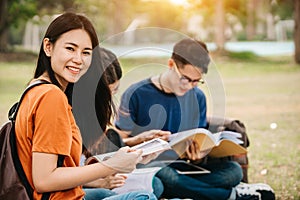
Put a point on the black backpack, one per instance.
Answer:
(13, 181)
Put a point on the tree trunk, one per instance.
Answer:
(115, 26)
(250, 20)
(3, 26)
(220, 25)
(297, 31)
(4, 40)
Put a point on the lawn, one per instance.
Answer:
(257, 91)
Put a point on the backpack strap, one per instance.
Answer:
(12, 114)
(17, 162)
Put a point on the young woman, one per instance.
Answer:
(110, 140)
(45, 125)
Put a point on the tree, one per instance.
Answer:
(15, 12)
(297, 31)
(220, 25)
(3, 24)
(12, 12)
(250, 27)
(218, 13)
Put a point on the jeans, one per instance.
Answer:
(216, 185)
(97, 193)
(106, 194)
(158, 187)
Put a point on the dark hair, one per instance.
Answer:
(103, 99)
(112, 72)
(60, 25)
(112, 67)
(193, 52)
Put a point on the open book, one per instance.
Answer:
(221, 144)
(138, 179)
(155, 145)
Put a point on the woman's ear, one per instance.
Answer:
(47, 45)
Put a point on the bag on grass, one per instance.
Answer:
(218, 124)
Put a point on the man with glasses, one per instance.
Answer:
(171, 101)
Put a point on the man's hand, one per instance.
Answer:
(193, 151)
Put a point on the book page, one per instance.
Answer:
(139, 179)
(227, 148)
(155, 145)
(152, 146)
(228, 135)
(203, 137)
(221, 144)
(99, 158)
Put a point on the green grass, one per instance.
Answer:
(13, 79)
(257, 91)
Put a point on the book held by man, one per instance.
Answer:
(221, 144)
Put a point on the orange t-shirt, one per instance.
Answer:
(45, 123)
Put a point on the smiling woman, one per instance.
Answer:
(45, 125)
(70, 57)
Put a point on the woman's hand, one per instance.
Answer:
(146, 159)
(114, 181)
(124, 160)
(109, 182)
(149, 135)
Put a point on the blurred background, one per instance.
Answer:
(219, 22)
(254, 76)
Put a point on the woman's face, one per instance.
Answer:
(70, 55)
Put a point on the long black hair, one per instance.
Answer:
(112, 72)
(60, 25)
(111, 64)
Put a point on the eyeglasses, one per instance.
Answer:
(185, 79)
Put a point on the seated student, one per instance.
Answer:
(110, 141)
(171, 101)
(45, 127)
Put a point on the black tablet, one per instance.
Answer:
(184, 167)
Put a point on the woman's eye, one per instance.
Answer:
(87, 53)
(70, 48)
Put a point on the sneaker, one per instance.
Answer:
(244, 192)
(257, 191)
